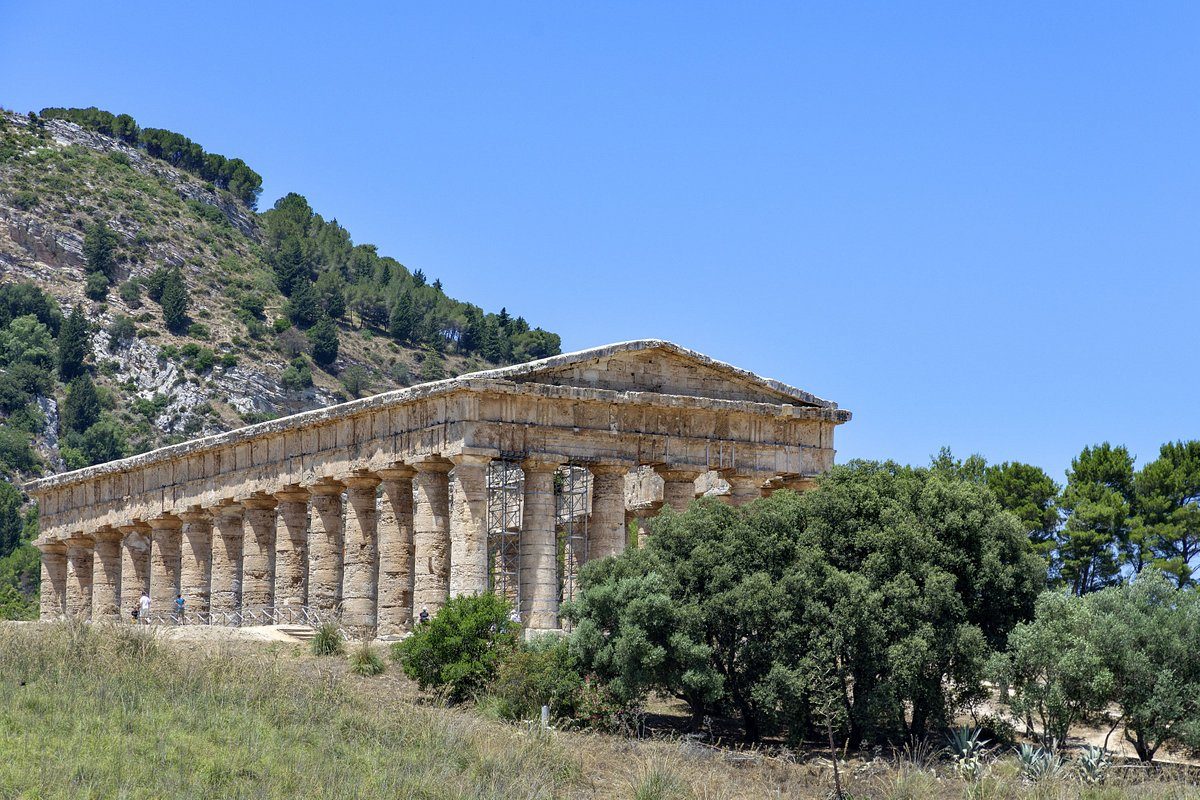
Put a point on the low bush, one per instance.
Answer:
(540, 673)
(459, 651)
(366, 662)
(327, 641)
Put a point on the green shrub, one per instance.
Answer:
(120, 331)
(198, 330)
(366, 662)
(461, 649)
(538, 674)
(327, 641)
(131, 293)
(96, 287)
(25, 199)
(298, 375)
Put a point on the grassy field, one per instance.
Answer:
(95, 713)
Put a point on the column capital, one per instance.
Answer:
(292, 494)
(675, 472)
(475, 458)
(361, 479)
(196, 514)
(646, 510)
(136, 527)
(51, 546)
(227, 508)
(259, 500)
(611, 467)
(396, 472)
(80, 539)
(326, 486)
(432, 463)
(107, 533)
(167, 522)
(542, 463)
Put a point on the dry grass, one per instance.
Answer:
(92, 713)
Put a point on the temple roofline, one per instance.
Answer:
(788, 395)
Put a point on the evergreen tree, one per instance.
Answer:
(1168, 509)
(73, 344)
(1032, 495)
(99, 249)
(82, 407)
(289, 264)
(323, 337)
(303, 309)
(331, 291)
(419, 278)
(11, 524)
(1098, 503)
(402, 321)
(175, 302)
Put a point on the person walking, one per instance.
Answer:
(144, 612)
(179, 609)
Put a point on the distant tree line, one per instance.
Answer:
(1109, 521)
(231, 174)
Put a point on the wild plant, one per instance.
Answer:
(1038, 763)
(967, 752)
(1094, 763)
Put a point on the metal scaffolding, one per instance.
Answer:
(572, 492)
(505, 490)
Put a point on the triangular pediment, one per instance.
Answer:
(660, 367)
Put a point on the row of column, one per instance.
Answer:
(396, 544)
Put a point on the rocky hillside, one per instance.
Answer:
(197, 314)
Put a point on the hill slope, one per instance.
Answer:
(145, 301)
(242, 352)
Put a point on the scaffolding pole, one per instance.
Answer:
(573, 486)
(505, 494)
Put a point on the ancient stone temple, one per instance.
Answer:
(367, 512)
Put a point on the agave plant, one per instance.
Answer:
(967, 752)
(1038, 762)
(1093, 764)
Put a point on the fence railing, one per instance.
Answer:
(284, 615)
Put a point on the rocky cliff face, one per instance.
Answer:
(55, 180)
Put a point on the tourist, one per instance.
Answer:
(144, 614)
(179, 609)
(424, 615)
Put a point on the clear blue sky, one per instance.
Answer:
(972, 226)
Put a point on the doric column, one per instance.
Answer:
(643, 514)
(743, 488)
(395, 533)
(135, 564)
(679, 486)
(195, 561)
(468, 524)
(258, 560)
(164, 565)
(539, 550)
(225, 600)
(360, 582)
(431, 535)
(606, 530)
(325, 546)
(79, 576)
(53, 603)
(106, 576)
(291, 550)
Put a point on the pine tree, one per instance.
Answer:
(73, 344)
(99, 249)
(402, 321)
(303, 309)
(323, 338)
(82, 407)
(289, 264)
(1098, 501)
(175, 302)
